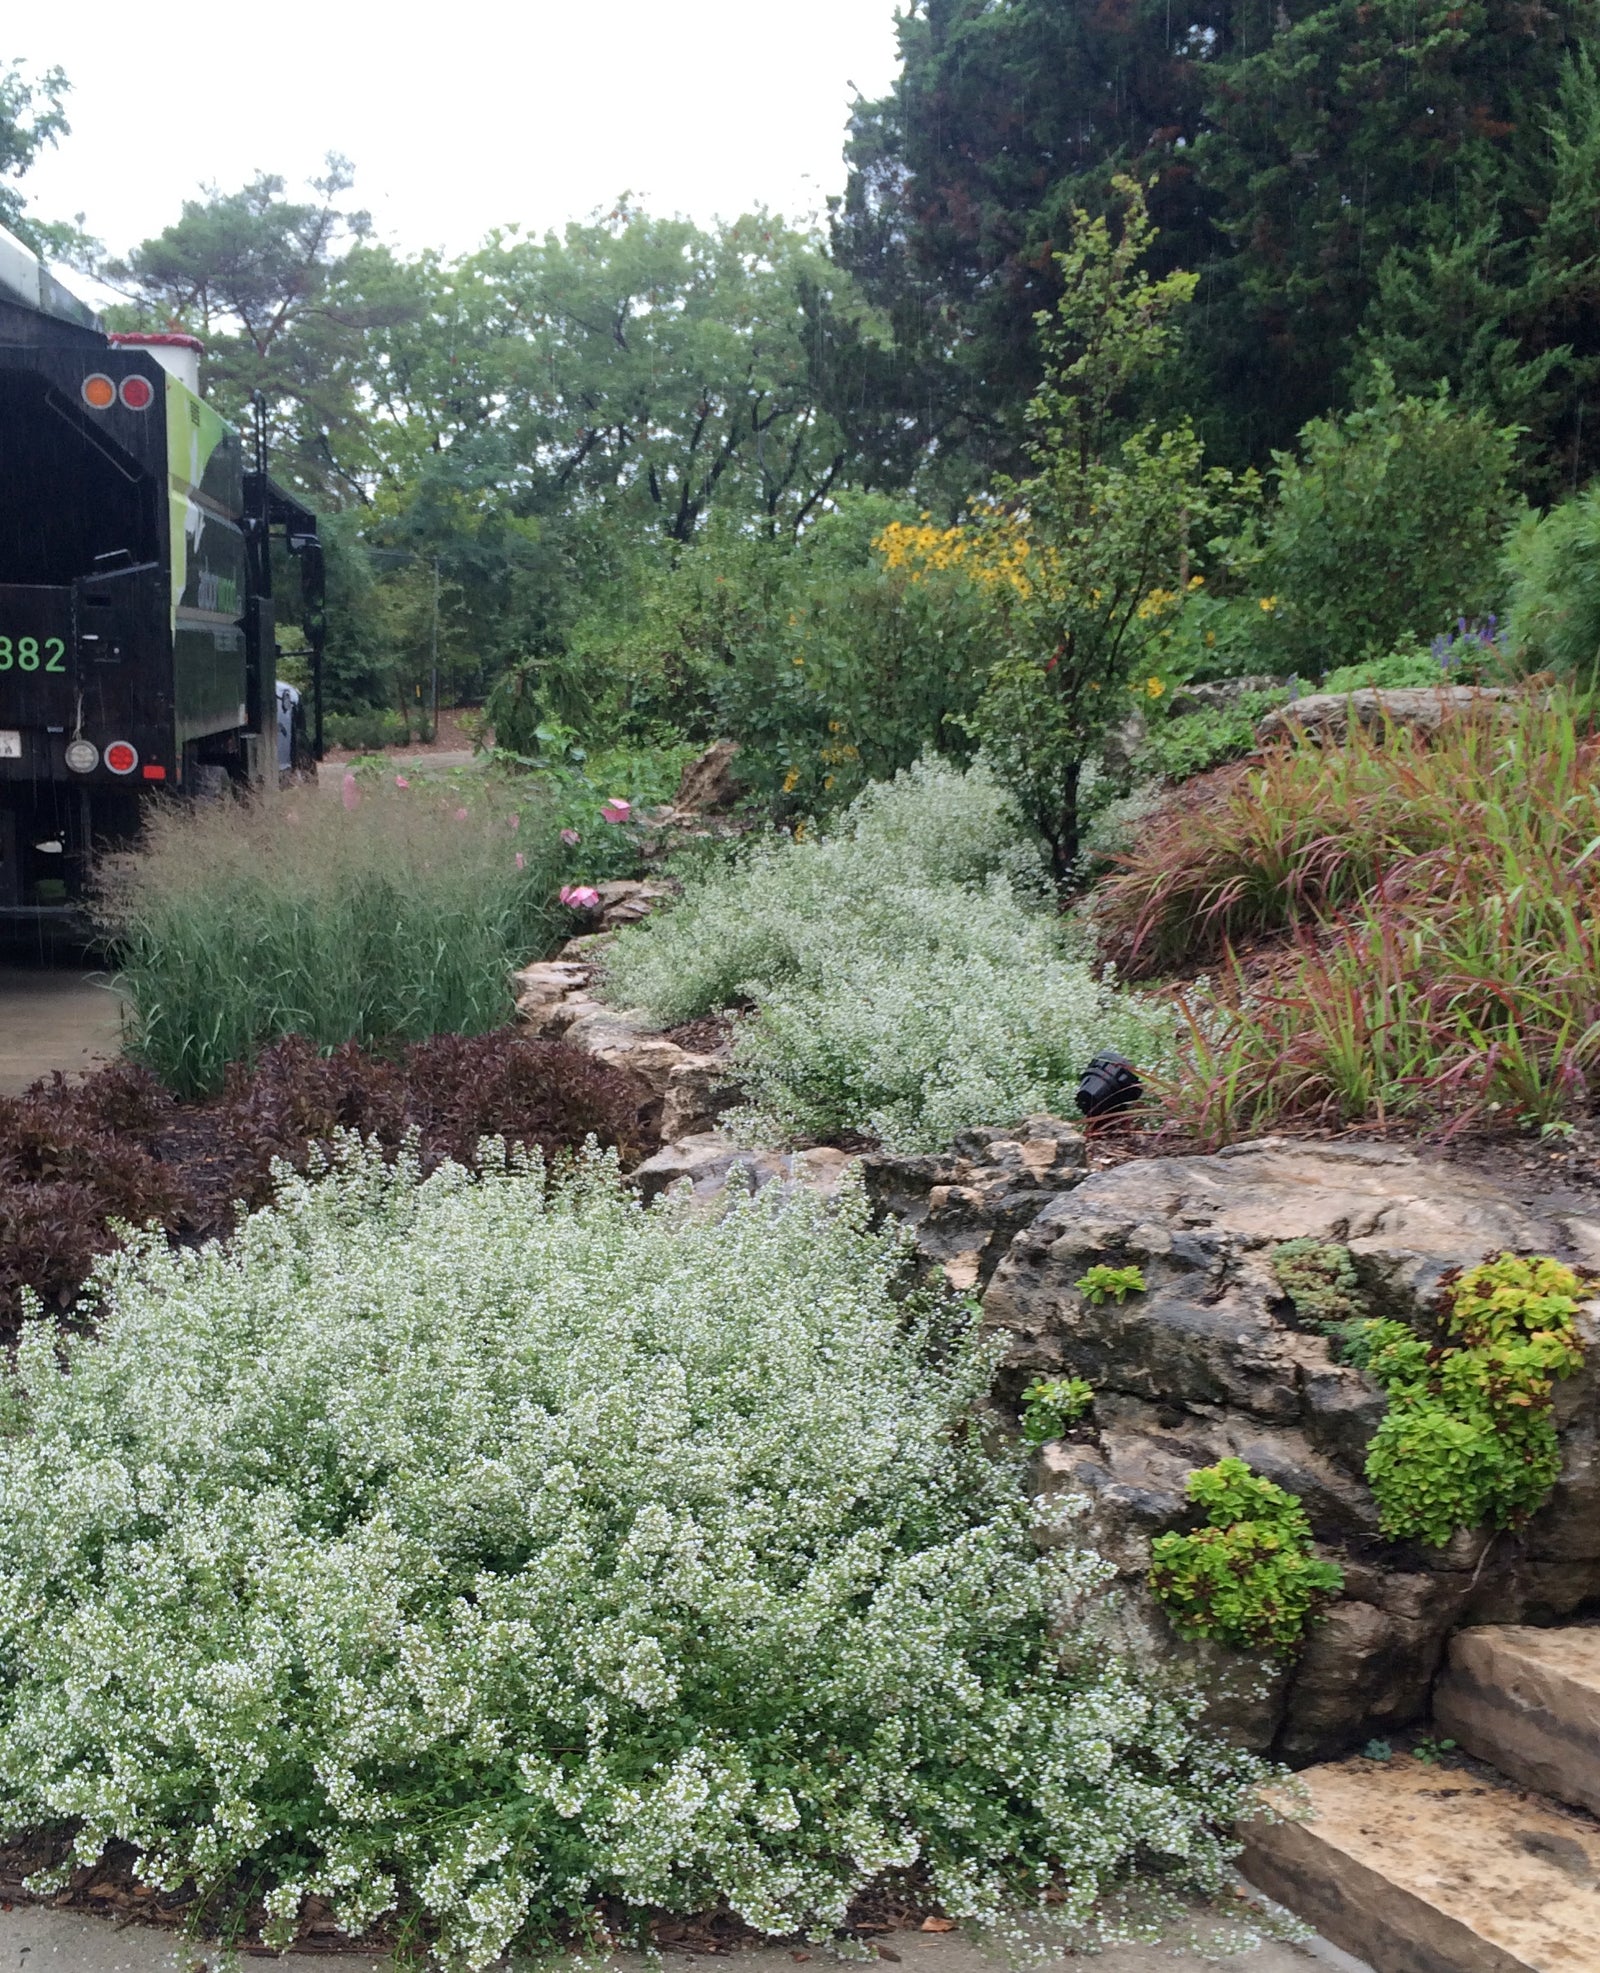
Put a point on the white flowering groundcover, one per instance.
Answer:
(469, 1552)
(909, 973)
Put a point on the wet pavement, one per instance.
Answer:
(53, 1017)
(36, 1939)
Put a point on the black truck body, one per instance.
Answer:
(137, 650)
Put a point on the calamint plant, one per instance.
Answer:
(471, 1552)
(906, 978)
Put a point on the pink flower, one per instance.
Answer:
(579, 897)
(516, 822)
(616, 810)
(461, 815)
(521, 861)
(570, 836)
(400, 781)
(349, 793)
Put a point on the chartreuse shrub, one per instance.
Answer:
(1468, 1439)
(906, 977)
(1051, 1404)
(1114, 1284)
(1249, 1577)
(468, 1552)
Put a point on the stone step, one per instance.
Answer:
(1528, 1702)
(1421, 1868)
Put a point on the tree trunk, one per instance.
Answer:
(1065, 838)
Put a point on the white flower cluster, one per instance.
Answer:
(471, 1551)
(909, 978)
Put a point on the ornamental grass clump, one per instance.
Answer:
(394, 914)
(1441, 901)
(907, 975)
(468, 1552)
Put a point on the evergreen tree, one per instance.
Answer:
(1420, 178)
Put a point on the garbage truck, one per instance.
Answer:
(137, 646)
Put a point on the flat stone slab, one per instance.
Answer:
(1430, 1869)
(1528, 1702)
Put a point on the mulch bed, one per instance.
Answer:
(75, 1157)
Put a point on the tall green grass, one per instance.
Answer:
(394, 919)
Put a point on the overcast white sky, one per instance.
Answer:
(459, 116)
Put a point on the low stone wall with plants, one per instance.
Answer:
(1344, 1401)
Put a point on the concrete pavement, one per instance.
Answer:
(38, 1939)
(54, 1017)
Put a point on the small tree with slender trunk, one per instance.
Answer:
(1096, 542)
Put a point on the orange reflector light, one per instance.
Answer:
(99, 392)
(120, 757)
(138, 393)
(154, 773)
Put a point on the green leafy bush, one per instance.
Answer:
(829, 665)
(1319, 1277)
(905, 980)
(369, 731)
(1554, 565)
(1388, 524)
(1051, 1404)
(1395, 671)
(476, 1552)
(396, 914)
(1178, 748)
(1249, 1577)
(1468, 1439)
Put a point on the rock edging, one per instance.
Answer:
(1212, 1361)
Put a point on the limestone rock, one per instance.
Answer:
(709, 785)
(1528, 1702)
(698, 1092)
(545, 987)
(1212, 1361)
(710, 1164)
(1219, 692)
(1424, 708)
(627, 900)
(1433, 1870)
(965, 1206)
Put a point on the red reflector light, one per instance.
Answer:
(138, 393)
(120, 757)
(154, 773)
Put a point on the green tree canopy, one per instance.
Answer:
(32, 114)
(1421, 176)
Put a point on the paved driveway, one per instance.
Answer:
(53, 1018)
